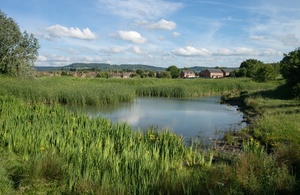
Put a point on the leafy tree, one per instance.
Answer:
(265, 73)
(164, 74)
(251, 65)
(290, 67)
(18, 51)
(174, 71)
(151, 73)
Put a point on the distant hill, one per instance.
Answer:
(105, 66)
(48, 68)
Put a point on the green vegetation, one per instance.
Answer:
(47, 149)
(257, 70)
(290, 69)
(98, 91)
(18, 51)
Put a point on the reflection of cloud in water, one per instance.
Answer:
(132, 118)
(183, 116)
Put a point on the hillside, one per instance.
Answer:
(114, 67)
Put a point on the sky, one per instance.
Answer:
(161, 33)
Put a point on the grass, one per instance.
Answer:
(46, 149)
(80, 91)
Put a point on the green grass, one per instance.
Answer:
(80, 91)
(46, 149)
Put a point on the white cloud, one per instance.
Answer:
(42, 58)
(59, 60)
(243, 51)
(137, 50)
(259, 38)
(162, 25)
(58, 30)
(132, 36)
(112, 50)
(191, 51)
(290, 40)
(175, 34)
(137, 9)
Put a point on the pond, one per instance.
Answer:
(187, 117)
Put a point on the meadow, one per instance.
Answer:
(46, 149)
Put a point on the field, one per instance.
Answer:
(47, 149)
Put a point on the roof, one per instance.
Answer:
(213, 70)
(187, 71)
(227, 70)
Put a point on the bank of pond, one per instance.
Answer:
(46, 148)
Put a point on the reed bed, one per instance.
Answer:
(82, 91)
(49, 149)
(88, 154)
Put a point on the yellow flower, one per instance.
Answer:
(152, 137)
(42, 148)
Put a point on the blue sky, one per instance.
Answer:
(161, 33)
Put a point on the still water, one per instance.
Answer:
(187, 117)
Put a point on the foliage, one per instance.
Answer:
(99, 91)
(290, 68)
(164, 74)
(18, 51)
(265, 73)
(251, 65)
(257, 70)
(174, 71)
(51, 150)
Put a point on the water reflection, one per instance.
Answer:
(187, 117)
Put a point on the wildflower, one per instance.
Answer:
(251, 139)
(42, 148)
(152, 137)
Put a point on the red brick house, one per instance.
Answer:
(187, 74)
(212, 73)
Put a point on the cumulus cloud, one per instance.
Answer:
(132, 36)
(235, 51)
(58, 31)
(112, 50)
(137, 9)
(175, 34)
(159, 25)
(137, 50)
(191, 51)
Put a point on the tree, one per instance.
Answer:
(251, 65)
(265, 73)
(174, 71)
(290, 67)
(164, 74)
(18, 51)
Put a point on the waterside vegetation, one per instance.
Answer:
(48, 149)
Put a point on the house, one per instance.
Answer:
(187, 74)
(212, 73)
(126, 75)
(226, 72)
